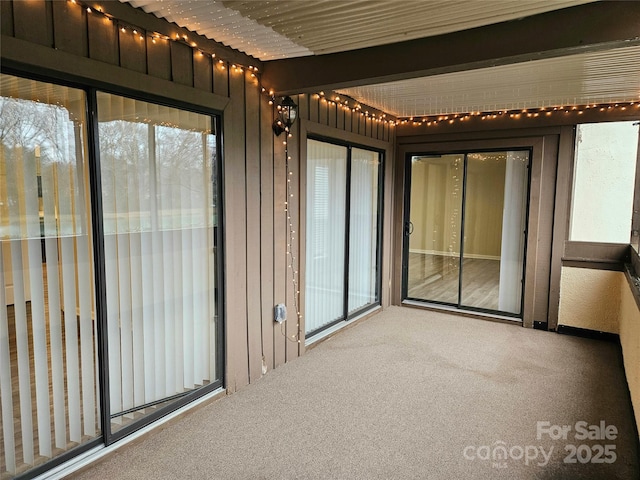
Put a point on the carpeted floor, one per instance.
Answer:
(409, 394)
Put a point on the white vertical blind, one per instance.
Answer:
(47, 333)
(513, 228)
(326, 216)
(326, 232)
(363, 228)
(159, 208)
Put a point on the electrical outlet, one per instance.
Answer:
(280, 313)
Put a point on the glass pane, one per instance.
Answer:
(494, 226)
(158, 169)
(48, 377)
(604, 182)
(363, 228)
(436, 212)
(326, 206)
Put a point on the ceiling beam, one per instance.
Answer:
(589, 27)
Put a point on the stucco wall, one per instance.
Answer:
(630, 341)
(603, 185)
(590, 299)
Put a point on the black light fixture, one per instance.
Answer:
(287, 114)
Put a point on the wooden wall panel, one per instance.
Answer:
(323, 112)
(6, 18)
(220, 79)
(279, 244)
(266, 231)
(103, 40)
(340, 118)
(252, 182)
(362, 125)
(181, 64)
(302, 230)
(70, 28)
(294, 335)
(348, 115)
(159, 58)
(133, 50)
(314, 109)
(332, 112)
(32, 21)
(236, 237)
(202, 72)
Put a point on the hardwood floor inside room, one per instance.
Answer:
(437, 278)
(15, 388)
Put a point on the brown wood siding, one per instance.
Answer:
(252, 185)
(69, 26)
(32, 21)
(6, 18)
(267, 233)
(159, 58)
(133, 51)
(91, 47)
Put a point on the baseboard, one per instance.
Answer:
(585, 333)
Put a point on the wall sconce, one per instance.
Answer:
(287, 114)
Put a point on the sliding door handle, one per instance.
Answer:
(408, 228)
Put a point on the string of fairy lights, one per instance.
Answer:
(292, 263)
(518, 114)
(141, 34)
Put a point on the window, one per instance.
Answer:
(159, 214)
(48, 355)
(604, 180)
(343, 233)
(155, 311)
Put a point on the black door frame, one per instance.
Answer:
(408, 228)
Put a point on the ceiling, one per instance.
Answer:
(280, 29)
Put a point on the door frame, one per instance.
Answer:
(544, 145)
(407, 230)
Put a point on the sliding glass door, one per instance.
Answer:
(342, 231)
(158, 216)
(109, 267)
(48, 356)
(465, 229)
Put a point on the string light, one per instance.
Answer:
(518, 114)
(140, 34)
(292, 262)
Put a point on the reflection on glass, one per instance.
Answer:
(325, 256)
(436, 212)
(159, 202)
(47, 333)
(363, 228)
(494, 226)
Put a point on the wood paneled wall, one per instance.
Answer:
(61, 40)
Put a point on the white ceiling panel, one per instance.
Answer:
(273, 29)
(329, 26)
(571, 80)
(213, 20)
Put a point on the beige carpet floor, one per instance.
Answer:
(409, 394)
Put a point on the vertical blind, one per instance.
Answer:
(326, 224)
(159, 195)
(159, 212)
(363, 228)
(329, 223)
(47, 327)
